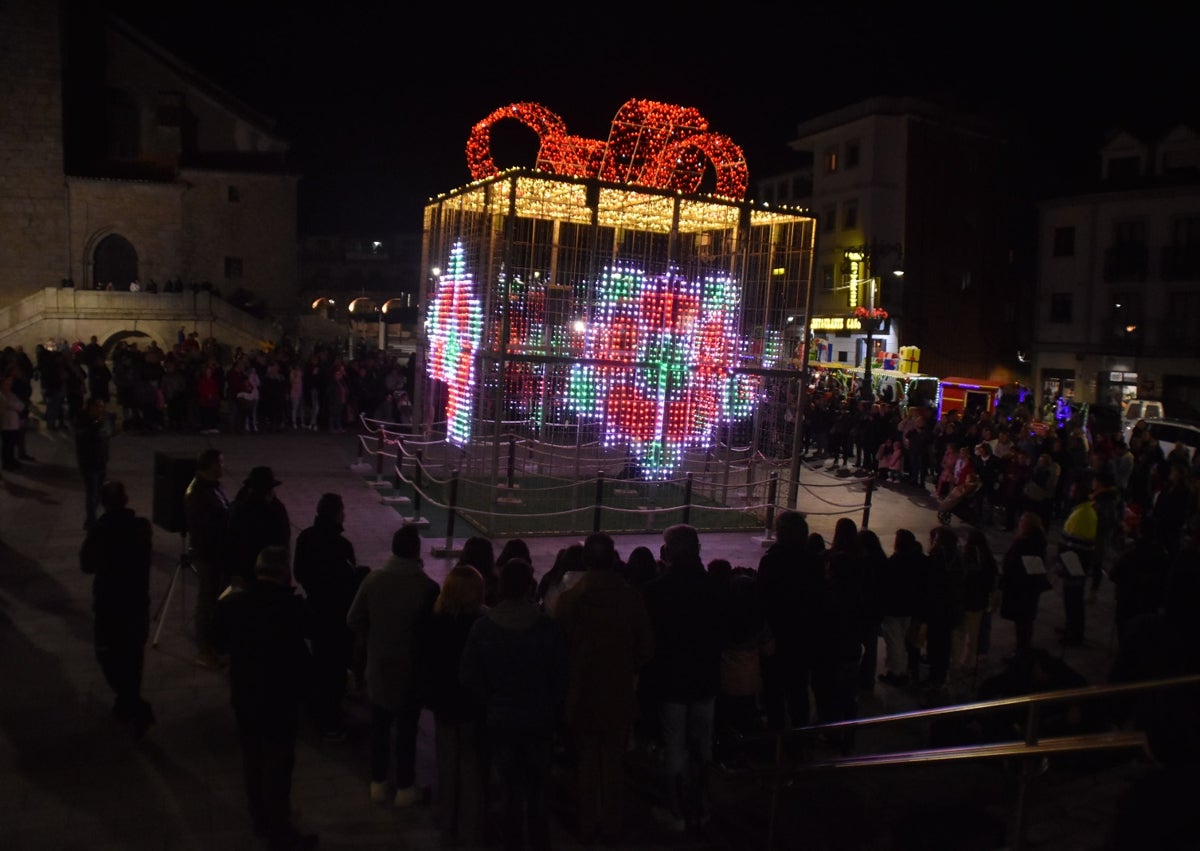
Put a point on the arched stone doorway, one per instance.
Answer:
(115, 260)
(141, 339)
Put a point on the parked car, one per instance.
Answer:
(1140, 409)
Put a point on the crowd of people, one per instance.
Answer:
(201, 385)
(988, 466)
(568, 668)
(597, 651)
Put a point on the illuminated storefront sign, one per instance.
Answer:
(845, 323)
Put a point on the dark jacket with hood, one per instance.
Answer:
(609, 639)
(117, 553)
(687, 610)
(515, 660)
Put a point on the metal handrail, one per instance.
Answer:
(1030, 751)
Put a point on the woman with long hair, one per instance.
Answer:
(943, 602)
(971, 637)
(458, 806)
(1023, 578)
(843, 619)
(874, 567)
(900, 594)
(478, 552)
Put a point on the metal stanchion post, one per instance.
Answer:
(417, 484)
(772, 493)
(450, 514)
(866, 521)
(599, 500)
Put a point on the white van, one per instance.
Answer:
(1168, 433)
(1139, 409)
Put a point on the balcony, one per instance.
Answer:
(1181, 262)
(1126, 262)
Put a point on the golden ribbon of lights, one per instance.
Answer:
(650, 144)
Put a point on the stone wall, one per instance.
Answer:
(259, 229)
(33, 210)
(146, 213)
(71, 315)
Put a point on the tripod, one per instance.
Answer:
(176, 579)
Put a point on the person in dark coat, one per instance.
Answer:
(263, 627)
(843, 622)
(684, 676)
(515, 662)
(460, 799)
(1158, 809)
(874, 566)
(91, 452)
(206, 512)
(257, 519)
(326, 568)
(388, 616)
(117, 553)
(901, 589)
(609, 640)
(790, 583)
(1139, 577)
(1023, 579)
(944, 601)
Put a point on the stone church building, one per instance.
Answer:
(120, 164)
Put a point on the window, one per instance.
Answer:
(1061, 307)
(233, 267)
(831, 161)
(1184, 161)
(1180, 332)
(1186, 230)
(842, 357)
(850, 215)
(234, 195)
(852, 154)
(168, 112)
(1123, 168)
(1130, 232)
(829, 219)
(1126, 315)
(1064, 242)
(827, 279)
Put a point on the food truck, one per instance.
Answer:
(967, 394)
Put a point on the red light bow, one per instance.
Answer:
(651, 144)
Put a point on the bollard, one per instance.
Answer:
(450, 515)
(379, 462)
(417, 484)
(687, 499)
(772, 492)
(599, 500)
(866, 521)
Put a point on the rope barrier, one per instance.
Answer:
(411, 449)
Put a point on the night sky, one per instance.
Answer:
(378, 99)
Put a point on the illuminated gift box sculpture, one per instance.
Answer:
(603, 296)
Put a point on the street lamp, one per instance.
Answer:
(859, 258)
(869, 316)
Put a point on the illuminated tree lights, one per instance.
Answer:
(654, 363)
(454, 326)
(650, 144)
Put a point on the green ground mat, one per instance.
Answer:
(538, 506)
